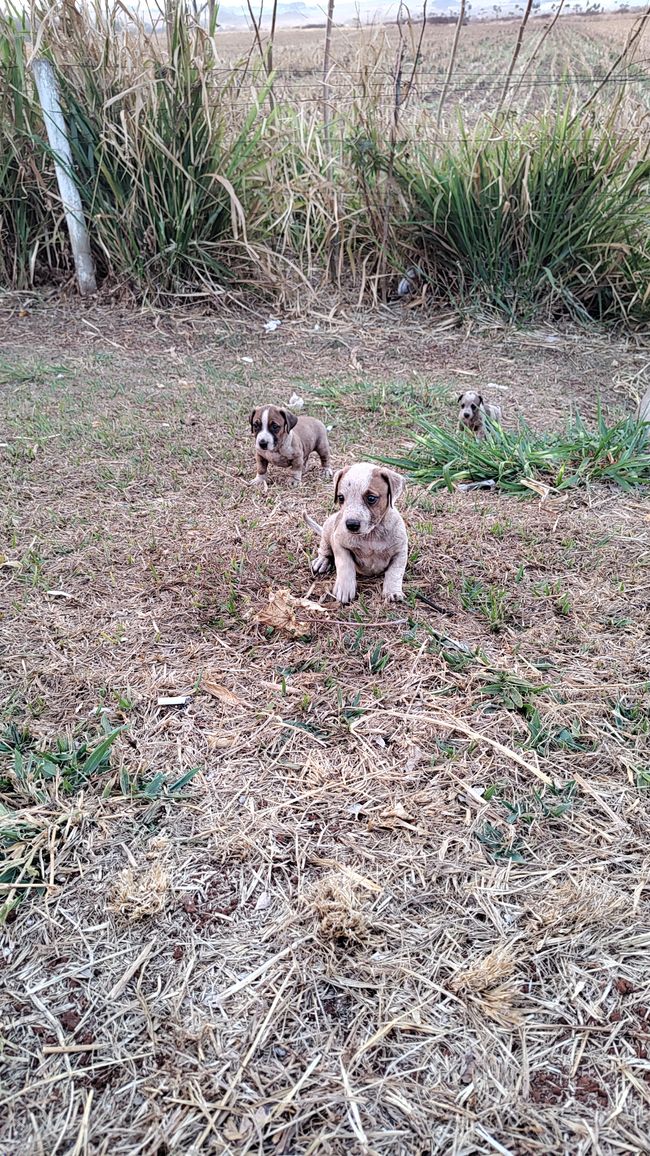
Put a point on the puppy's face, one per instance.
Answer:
(470, 404)
(270, 426)
(363, 494)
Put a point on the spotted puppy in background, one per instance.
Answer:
(473, 412)
(286, 440)
(367, 536)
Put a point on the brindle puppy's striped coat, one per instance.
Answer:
(285, 440)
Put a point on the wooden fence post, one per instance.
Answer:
(45, 79)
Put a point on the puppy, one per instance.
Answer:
(367, 536)
(287, 440)
(473, 412)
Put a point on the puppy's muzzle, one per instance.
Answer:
(264, 443)
(352, 525)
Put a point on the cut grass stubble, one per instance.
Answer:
(383, 877)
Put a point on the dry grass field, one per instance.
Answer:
(402, 906)
(569, 59)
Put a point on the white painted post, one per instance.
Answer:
(60, 145)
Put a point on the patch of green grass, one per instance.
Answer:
(36, 374)
(457, 655)
(532, 217)
(391, 401)
(158, 787)
(499, 529)
(499, 844)
(16, 739)
(63, 768)
(355, 642)
(544, 738)
(33, 778)
(508, 690)
(520, 815)
(350, 708)
(378, 659)
(448, 750)
(560, 598)
(632, 718)
(492, 602)
(619, 454)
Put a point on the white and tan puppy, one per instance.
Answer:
(473, 412)
(286, 440)
(367, 536)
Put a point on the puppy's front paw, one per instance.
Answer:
(345, 590)
(260, 481)
(327, 474)
(295, 480)
(393, 596)
(322, 565)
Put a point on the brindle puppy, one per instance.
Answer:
(286, 440)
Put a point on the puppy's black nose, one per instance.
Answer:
(352, 525)
(262, 443)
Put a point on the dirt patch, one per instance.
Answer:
(548, 1088)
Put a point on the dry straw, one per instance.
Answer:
(402, 906)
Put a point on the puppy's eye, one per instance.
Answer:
(340, 499)
(372, 499)
(257, 427)
(274, 427)
(474, 407)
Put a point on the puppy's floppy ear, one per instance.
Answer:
(480, 399)
(252, 419)
(396, 485)
(290, 419)
(460, 397)
(338, 478)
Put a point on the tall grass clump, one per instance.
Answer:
(164, 162)
(618, 454)
(549, 217)
(199, 176)
(33, 246)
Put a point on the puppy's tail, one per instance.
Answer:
(312, 524)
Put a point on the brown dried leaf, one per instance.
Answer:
(394, 818)
(280, 614)
(218, 742)
(221, 692)
(540, 488)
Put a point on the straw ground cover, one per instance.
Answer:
(402, 905)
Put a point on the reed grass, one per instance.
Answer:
(618, 454)
(32, 246)
(553, 216)
(195, 184)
